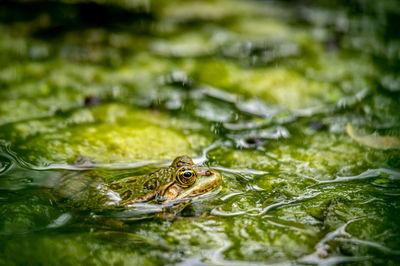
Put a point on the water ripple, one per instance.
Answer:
(6, 151)
(321, 248)
(6, 159)
(378, 246)
(241, 171)
(320, 255)
(370, 173)
(5, 164)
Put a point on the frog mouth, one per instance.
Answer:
(203, 185)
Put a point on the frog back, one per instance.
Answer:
(143, 187)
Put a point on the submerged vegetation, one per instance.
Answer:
(296, 103)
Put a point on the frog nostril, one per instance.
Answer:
(208, 173)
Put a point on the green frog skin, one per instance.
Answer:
(182, 181)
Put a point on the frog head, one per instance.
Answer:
(190, 181)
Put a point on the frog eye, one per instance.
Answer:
(186, 176)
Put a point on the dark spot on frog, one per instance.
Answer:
(131, 181)
(115, 186)
(126, 195)
(151, 184)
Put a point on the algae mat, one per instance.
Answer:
(262, 91)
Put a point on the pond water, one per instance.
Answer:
(262, 91)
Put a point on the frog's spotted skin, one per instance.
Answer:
(142, 188)
(181, 181)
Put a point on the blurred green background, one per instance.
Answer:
(260, 90)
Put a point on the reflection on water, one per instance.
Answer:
(260, 91)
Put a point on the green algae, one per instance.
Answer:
(261, 91)
(106, 134)
(283, 86)
(88, 249)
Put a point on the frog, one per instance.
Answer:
(175, 185)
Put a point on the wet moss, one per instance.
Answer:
(108, 133)
(260, 91)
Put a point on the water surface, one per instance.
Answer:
(260, 90)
